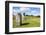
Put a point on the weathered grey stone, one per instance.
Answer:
(17, 19)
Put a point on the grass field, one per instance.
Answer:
(29, 21)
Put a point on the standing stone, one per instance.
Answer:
(18, 19)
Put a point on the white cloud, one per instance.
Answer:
(16, 11)
(23, 9)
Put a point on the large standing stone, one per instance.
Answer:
(18, 19)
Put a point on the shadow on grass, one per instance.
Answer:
(24, 24)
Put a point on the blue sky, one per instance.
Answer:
(28, 10)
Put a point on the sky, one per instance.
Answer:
(27, 10)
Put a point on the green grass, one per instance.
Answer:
(28, 22)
